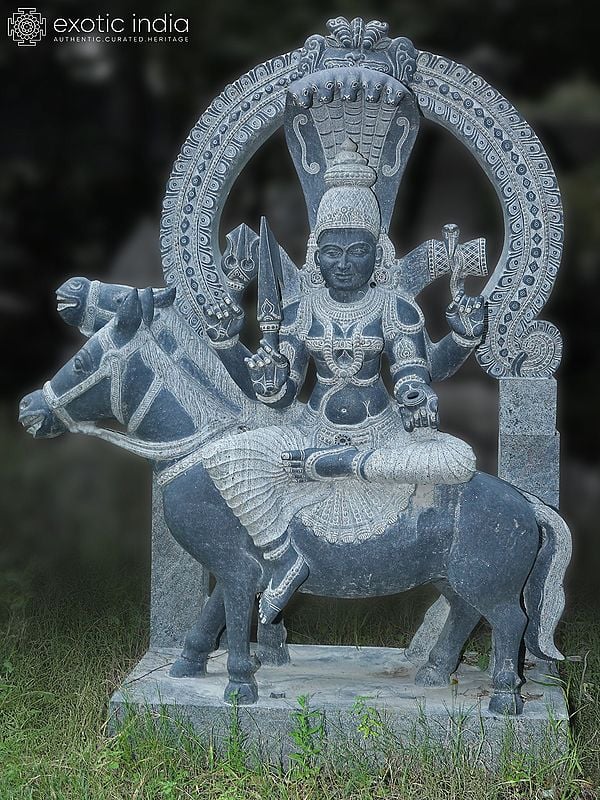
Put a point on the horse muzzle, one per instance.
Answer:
(37, 417)
(71, 298)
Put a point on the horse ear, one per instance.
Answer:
(147, 301)
(163, 298)
(129, 316)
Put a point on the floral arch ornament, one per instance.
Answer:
(249, 110)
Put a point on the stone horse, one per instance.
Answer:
(489, 548)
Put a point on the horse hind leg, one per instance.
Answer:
(508, 623)
(272, 646)
(445, 654)
(201, 639)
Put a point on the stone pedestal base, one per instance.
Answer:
(333, 678)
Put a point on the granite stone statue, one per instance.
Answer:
(356, 493)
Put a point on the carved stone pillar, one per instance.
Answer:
(179, 585)
(528, 442)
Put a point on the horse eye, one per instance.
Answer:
(79, 364)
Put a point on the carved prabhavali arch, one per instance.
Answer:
(249, 110)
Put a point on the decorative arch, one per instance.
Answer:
(249, 110)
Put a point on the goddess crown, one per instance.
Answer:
(349, 201)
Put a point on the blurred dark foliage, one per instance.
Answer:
(89, 134)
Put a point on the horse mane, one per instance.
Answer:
(199, 381)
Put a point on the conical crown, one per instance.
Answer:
(349, 201)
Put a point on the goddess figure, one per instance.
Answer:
(353, 448)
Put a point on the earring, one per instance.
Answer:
(381, 273)
(315, 276)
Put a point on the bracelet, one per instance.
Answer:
(407, 379)
(235, 285)
(358, 464)
(463, 341)
(412, 397)
(225, 344)
(273, 398)
(310, 466)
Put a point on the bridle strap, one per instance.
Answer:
(111, 366)
(91, 304)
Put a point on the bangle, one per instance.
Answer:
(464, 341)
(358, 464)
(273, 398)
(412, 397)
(406, 380)
(225, 344)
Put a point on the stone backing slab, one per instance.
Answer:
(528, 442)
(179, 585)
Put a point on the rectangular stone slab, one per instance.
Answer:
(333, 678)
(528, 442)
(179, 585)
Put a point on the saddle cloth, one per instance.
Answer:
(248, 472)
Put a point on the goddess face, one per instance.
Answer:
(346, 257)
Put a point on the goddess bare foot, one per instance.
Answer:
(323, 464)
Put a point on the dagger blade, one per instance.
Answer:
(268, 310)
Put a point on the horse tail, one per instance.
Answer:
(543, 593)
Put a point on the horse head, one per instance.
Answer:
(90, 386)
(90, 305)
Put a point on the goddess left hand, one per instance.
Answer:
(418, 406)
(466, 316)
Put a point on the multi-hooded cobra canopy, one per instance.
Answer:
(357, 83)
(374, 111)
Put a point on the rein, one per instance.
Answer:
(112, 366)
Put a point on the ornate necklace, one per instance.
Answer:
(358, 313)
(358, 354)
(366, 309)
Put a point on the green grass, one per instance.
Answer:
(62, 654)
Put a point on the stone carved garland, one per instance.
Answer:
(248, 111)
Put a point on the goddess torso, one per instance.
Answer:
(346, 342)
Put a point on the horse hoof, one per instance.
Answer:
(241, 694)
(506, 703)
(429, 675)
(184, 668)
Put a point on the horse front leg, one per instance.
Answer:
(201, 639)
(445, 654)
(241, 665)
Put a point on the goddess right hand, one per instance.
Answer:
(224, 320)
(269, 370)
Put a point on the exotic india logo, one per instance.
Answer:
(26, 27)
